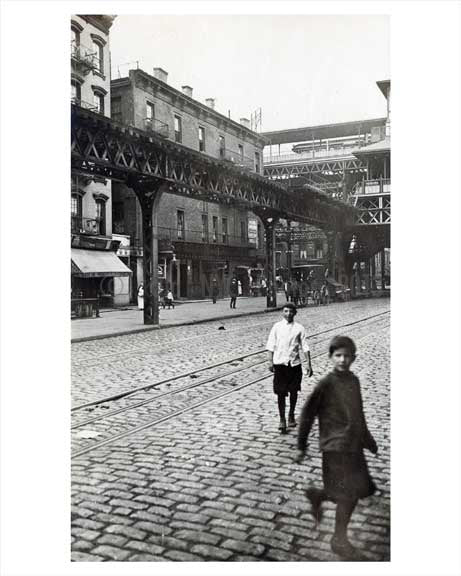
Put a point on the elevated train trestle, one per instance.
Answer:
(151, 165)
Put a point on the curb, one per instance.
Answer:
(188, 323)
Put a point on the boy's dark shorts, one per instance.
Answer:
(287, 378)
(346, 476)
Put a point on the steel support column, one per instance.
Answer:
(331, 240)
(383, 268)
(149, 200)
(289, 252)
(269, 223)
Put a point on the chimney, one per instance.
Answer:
(245, 122)
(161, 74)
(187, 90)
(210, 102)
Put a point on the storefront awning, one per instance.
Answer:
(97, 263)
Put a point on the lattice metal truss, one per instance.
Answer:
(283, 171)
(373, 210)
(103, 147)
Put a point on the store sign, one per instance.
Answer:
(253, 231)
(161, 271)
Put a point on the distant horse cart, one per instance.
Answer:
(318, 287)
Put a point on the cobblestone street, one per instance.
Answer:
(218, 482)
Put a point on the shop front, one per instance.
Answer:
(99, 274)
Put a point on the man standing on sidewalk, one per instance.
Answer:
(233, 290)
(287, 339)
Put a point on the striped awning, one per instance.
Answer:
(97, 263)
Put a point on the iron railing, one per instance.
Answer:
(237, 158)
(81, 225)
(294, 157)
(83, 55)
(158, 126)
(379, 186)
(83, 104)
(203, 237)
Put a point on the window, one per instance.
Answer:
(98, 49)
(76, 92)
(243, 235)
(180, 224)
(222, 147)
(311, 250)
(74, 40)
(116, 109)
(76, 212)
(177, 129)
(303, 254)
(257, 163)
(150, 111)
(201, 138)
(204, 227)
(224, 230)
(215, 228)
(98, 100)
(101, 215)
(319, 250)
(241, 151)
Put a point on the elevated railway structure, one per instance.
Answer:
(151, 165)
(350, 161)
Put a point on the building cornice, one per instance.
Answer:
(101, 22)
(200, 111)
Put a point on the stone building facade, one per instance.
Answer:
(199, 241)
(96, 268)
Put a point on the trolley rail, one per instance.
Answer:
(239, 357)
(202, 402)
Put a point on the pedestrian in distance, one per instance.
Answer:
(214, 290)
(169, 299)
(286, 343)
(233, 290)
(343, 434)
(141, 297)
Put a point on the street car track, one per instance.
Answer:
(175, 413)
(240, 357)
(148, 348)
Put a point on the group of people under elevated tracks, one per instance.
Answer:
(300, 291)
(336, 402)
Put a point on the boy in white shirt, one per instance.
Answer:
(286, 340)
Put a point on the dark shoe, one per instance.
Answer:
(291, 421)
(283, 426)
(344, 548)
(315, 498)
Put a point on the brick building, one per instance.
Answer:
(198, 241)
(96, 268)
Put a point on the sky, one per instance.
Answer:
(301, 70)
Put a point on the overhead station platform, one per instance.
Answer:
(323, 131)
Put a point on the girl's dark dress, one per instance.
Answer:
(343, 434)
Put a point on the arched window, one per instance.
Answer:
(98, 49)
(98, 98)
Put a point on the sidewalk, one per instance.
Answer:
(118, 322)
